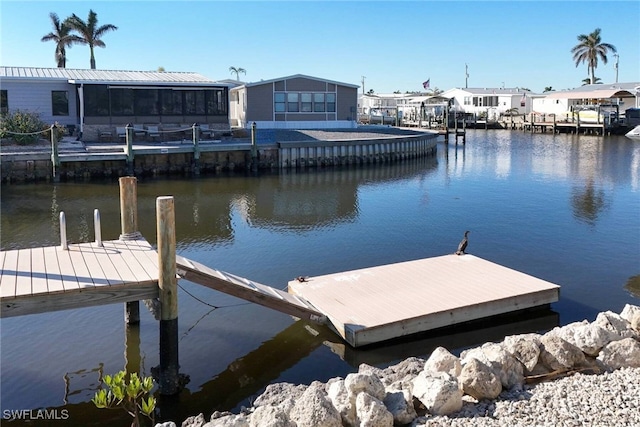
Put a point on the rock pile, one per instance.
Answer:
(417, 392)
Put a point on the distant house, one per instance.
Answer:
(623, 95)
(491, 101)
(410, 106)
(96, 101)
(294, 102)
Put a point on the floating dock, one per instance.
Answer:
(377, 304)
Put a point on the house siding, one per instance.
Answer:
(347, 103)
(305, 85)
(260, 103)
(36, 97)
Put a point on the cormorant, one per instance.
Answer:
(463, 244)
(301, 279)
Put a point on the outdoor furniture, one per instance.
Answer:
(121, 132)
(153, 132)
(138, 130)
(170, 128)
(105, 135)
(205, 131)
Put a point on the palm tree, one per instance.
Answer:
(90, 32)
(61, 34)
(590, 49)
(237, 70)
(587, 81)
(548, 89)
(434, 92)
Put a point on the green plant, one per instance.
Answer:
(25, 127)
(133, 395)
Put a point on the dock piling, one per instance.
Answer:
(196, 149)
(97, 227)
(63, 232)
(168, 284)
(55, 158)
(129, 231)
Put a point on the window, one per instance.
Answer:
(4, 102)
(467, 100)
(194, 102)
(122, 102)
(146, 103)
(171, 101)
(279, 102)
(318, 102)
(292, 103)
(216, 103)
(96, 100)
(60, 102)
(331, 102)
(305, 103)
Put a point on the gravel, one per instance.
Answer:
(609, 399)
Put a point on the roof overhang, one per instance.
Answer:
(592, 94)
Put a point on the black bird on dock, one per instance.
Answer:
(463, 244)
(302, 278)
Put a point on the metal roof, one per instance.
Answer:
(599, 91)
(104, 76)
(296, 76)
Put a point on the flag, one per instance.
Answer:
(426, 84)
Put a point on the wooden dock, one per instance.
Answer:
(380, 303)
(42, 279)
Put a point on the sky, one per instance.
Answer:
(390, 45)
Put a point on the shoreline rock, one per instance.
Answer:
(502, 383)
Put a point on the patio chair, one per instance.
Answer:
(153, 132)
(121, 132)
(138, 130)
(205, 131)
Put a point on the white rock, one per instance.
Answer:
(270, 416)
(621, 354)
(631, 313)
(615, 323)
(588, 337)
(438, 392)
(371, 412)
(443, 361)
(558, 354)
(504, 365)
(314, 409)
(274, 394)
(232, 420)
(167, 424)
(342, 401)
(197, 421)
(404, 371)
(479, 381)
(367, 382)
(525, 348)
(400, 404)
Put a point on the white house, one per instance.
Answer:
(490, 101)
(623, 95)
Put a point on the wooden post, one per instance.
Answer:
(129, 140)
(165, 221)
(129, 231)
(196, 149)
(55, 159)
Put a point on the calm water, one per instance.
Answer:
(564, 208)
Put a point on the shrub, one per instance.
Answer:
(25, 127)
(128, 395)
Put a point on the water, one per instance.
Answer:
(564, 208)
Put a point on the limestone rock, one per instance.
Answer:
(314, 409)
(504, 365)
(558, 354)
(615, 323)
(631, 313)
(620, 354)
(369, 383)
(342, 401)
(168, 424)
(443, 361)
(400, 405)
(479, 381)
(525, 348)
(438, 392)
(404, 371)
(363, 368)
(240, 420)
(275, 394)
(371, 412)
(270, 416)
(588, 337)
(197, 421)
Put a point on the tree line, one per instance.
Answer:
(75, 30)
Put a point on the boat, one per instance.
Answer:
(634, 133)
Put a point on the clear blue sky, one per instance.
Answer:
(396, 45)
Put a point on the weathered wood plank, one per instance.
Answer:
(68, 271)
(23, 279)
(132, 254)
(259, 294)
(52, 268)
(102, 273)
(78, 266)
(100, 295)
(9, 274)
(146, 256)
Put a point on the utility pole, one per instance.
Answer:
(616, 65)
(363, 77)
(466, 76)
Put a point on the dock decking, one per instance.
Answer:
(42, 279)
(380, 303)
